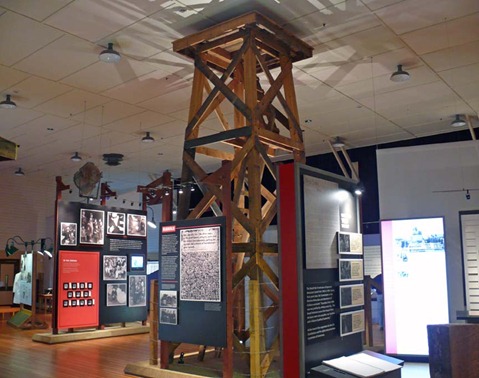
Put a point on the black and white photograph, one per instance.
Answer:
(66, 303)
(92, 226)
(115, 223)
(136, 291)
(169, 316)
(137, 263)
(68, 233)
(73, 285)
(77, 294)
(352, 322)
(73, 303)
(90, 302)
(86, 294)
(343, 243)
(66, 285)
(116, 294)
(351, 295)
(168, 298)
(82, 302)
(200, 264)
(136, 225)
(114, 268)
(69, 294)
(350, 269)
(89, 285)
(350, 242)
(82, 285)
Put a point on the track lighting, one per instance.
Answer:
(19, 172)
(8, 103)
(400, 75)
(110, 55)
(458, 122)
(147, 138)
(180, 191)
(76, 157)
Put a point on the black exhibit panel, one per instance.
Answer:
(192, 282)
(119, 236)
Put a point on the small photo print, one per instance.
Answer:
(352, 322)
(73, 303)
(351, 295)
(116, 294)
(82, 285)
(136, 291)
(86, 294)
(65, 303)
(77, 294)
(136, 225)
(66, 285)
(114, 268)
(68, 233)
(169, 316)
(92, 226)
(69, 294)
(82, 302)
(89, 302)
(73, 285)
(115, 223)
(350, 269)
(349, 242)
(89, 285)
(168, 298)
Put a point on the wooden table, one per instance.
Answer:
(47, 301)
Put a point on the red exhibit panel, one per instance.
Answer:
(78, 282)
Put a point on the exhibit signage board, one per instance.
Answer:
(321, 253)
(192, 282)
(415, 282)
(78, 289)
(118, 237)
(23, 281)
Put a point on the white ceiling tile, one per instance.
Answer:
(60, 58)
(457, 56)
(34, 91)
(451, 33)
(377, 4)
(464, 75)
(38, 10)
(10, 118)
(139, 123)
(43, 127)
(147, 86)
(28, 37)
(106, 113)
(102, 76)
(410, 15)
(9, 77)
(170, 102)
(71, 103)
(93, 20)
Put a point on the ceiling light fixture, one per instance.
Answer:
(110, 55)
(8, 103)
(338, 142)
(76, 157)
(19, 172)
(147, 138)
(468, 195)
(400, 75)
(359, 190)
(113, 159)
(458, 122)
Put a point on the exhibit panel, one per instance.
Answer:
(415, 282)
(192, 285)
(321, 268)
(114, 284)
(470, 246)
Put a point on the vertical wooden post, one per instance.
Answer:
(154, 322)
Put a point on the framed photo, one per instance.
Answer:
(352, 322)
(114, 268)
(350, 269)
(115, 223)
(86, 294)
(73, 303)
(66, 303)
(169, 316)
(136, 225)
(116, 294)
(168, 298)
(82, 285)
(351, 295)
(137, 263)
(92, 226)
(69, 294)
(349, 242)
(89, 285)
(68, 233)
(73, 285)
(136, 291)
(66, 286)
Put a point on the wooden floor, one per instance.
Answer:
(104, 358)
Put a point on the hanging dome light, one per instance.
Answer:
(19, 172)
(76, 157)
(147, 138)
(110, 55)
(338, 142)
(8, 103)
(458, 122)
(400, 75)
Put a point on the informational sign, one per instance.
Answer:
(23, 281)
(320, 310)
(78, 283)
(352, 322)
(192, 281)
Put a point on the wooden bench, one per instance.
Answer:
(8, 310)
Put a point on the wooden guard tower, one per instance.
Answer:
(231, 59)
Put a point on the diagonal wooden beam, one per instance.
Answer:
(202, 206)
(263, 265)
(244, 271)
(265, 157)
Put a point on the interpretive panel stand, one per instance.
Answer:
(192, 296)
(321, 268)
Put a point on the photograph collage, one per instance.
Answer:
(351, 271)
(169, 307)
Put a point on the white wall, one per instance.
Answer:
(408, 180)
